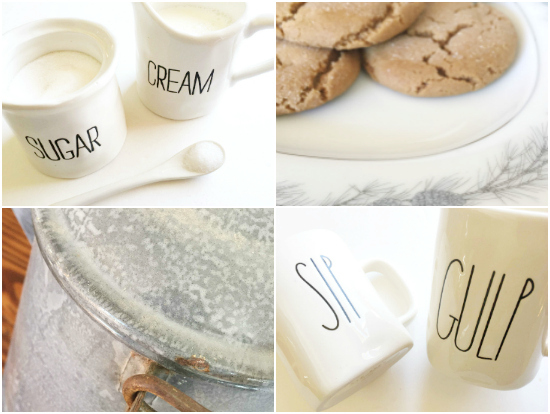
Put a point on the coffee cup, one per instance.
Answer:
(184, 61)
(335, 332)
(488, 318)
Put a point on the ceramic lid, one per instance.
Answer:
(189, 288)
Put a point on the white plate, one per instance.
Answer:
(507, 166)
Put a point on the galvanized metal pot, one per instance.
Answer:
(185, 295)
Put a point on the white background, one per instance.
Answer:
(404, 237)
(243, 123)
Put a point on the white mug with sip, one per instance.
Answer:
(488, 319)
(334, 331)
(185, 53)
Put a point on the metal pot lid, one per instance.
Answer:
(189, 288)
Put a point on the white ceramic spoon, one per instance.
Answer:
(198, 159)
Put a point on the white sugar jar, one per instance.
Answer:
(68, 118)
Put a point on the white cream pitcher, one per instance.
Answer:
(185, 54)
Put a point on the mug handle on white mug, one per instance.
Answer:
(263, 21)
(400, 291)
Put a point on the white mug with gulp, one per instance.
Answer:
(185, 54)
(61, 96)
(334, 331)
(488, 319)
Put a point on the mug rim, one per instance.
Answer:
(100, 34)
(216, 35)
(518, 211)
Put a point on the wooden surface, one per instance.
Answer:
(16, 250)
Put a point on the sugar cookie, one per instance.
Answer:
(308, 77)
(344, 26)
(452, 48)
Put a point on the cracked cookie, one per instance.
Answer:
(452, 48)
(344, 26)
(308, 77)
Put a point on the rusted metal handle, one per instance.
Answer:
(162, 389)
(139, 404)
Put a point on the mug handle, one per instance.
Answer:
(399, 289)
(263, 21)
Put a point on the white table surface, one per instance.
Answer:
(243, 123)
(405, 237)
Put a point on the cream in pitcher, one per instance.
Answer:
(190, 20)
(185, 54)
(195, 20)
